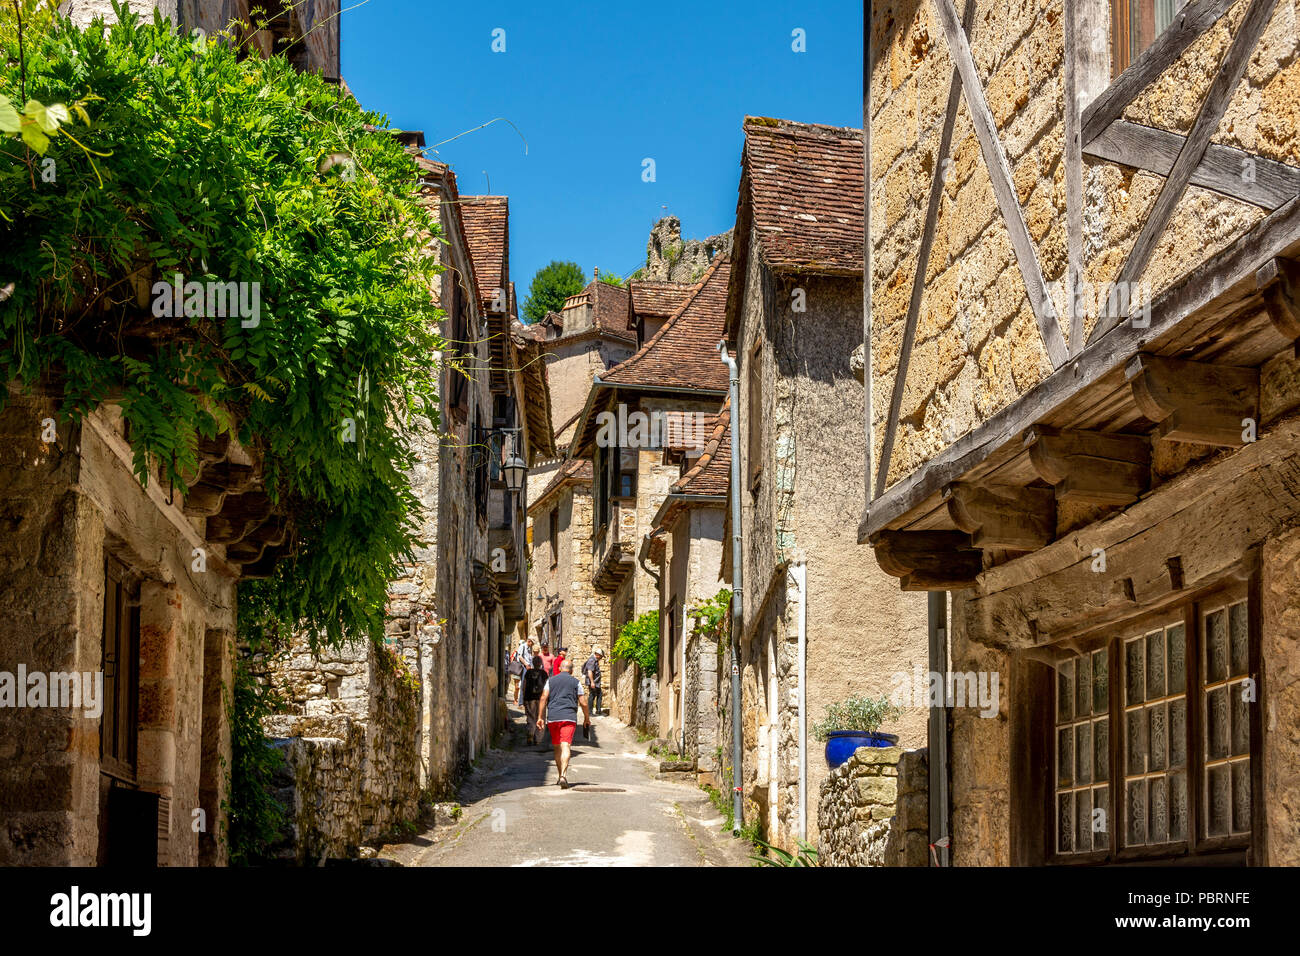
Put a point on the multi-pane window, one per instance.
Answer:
(1226, 700)
(1178, 694)
(1155, 737)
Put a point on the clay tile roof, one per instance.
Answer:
(655, 300)
(684, 353)
(609, 307)
(575, 471)
(711, 473)
(487, 230)
(804, 186)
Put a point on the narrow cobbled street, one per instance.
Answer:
(618, 810)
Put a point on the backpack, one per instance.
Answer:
(534, 681)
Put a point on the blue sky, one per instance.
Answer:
(595, 89)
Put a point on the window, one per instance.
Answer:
(754, 411)
(119, 723)
(625, 481)
(1176, 691)
(1134, 26)
(557, 631)
(554, 534)
(458, 350)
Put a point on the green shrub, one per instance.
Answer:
(857, 713)
(253, 816)
(638, 641)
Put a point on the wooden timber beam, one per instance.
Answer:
(1189, 157)
(1278, 281)
(239, 515)
(208, 495)
(1194, 401)
(929, 560)
(1016, 519)
(1090, 467)
(1189, 23)
(995, 161)
(1223, 169)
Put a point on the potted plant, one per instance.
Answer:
(855, 723)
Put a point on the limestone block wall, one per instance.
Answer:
(64, 506)
(1280, 654)
(352, 768)
(977, 345)
(874, 810)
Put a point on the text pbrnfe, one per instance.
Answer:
(211, 300)
(55, 689)
(73, 909)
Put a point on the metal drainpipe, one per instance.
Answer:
(938, 615)
(737, 593)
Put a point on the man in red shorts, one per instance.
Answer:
(561, 699)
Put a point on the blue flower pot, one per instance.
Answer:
(840, 744)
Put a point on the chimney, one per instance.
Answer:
(596, 272)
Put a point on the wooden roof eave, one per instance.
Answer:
(1219, 314)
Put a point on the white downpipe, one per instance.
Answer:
(800, 572)
(682, 690)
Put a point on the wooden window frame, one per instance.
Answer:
(121, 613)
(1239, 583)
(1122, 53)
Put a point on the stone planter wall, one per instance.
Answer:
(874, 810)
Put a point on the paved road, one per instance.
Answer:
(614, 813)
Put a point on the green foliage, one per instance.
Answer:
(775, 856)
(611, 278)
(673, 251)
(229, 170)
(550, 287)
(254, 817)
(855, 713)
(709, 618)
(638, 641)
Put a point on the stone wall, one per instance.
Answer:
(65, 506)
(977, 344)
(352, 769)
(874, 810)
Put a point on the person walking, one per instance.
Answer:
(534, 685)
(516, 668)
(558, 663)
(591, 679)
(562, 697)
(547, 657)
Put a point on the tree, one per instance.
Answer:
(550, 287)
(611, 278)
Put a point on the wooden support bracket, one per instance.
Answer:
(1278, 281)
(1091, 467)
(1017, 519)
(929, 560)
(1194, 401)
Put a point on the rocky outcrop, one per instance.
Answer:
(669, 258)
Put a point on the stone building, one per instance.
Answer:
(641, 419)
(650, 304)
(1083, 415)
(565, 608)
(687, 544)
(670, 258)
(118, 604)
(820, 623)
(362, 742)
